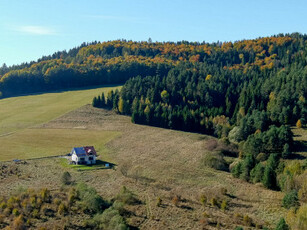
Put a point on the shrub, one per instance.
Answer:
(62, 209)
(247, 220)
(66, 178)
(175, 200)
(126, 196)
(290, 200)
(215, 160)
(18, 223)
(302, 193)
(72, 196)
(15, 212)
(57, 201)
(3, 205)
(35, 213)
(90, 200)
(119, 206)
(282, 225)
(109, 219)
(45, 195)
(239, 228)
(203, 199)
(224, 191)
(301, 217)
(159, 202)
(213, 202)
(224, 205)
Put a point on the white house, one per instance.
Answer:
(83, 155)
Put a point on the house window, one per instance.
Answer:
(82, 159)
(90, 158)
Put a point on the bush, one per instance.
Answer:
(119, 206)
(15, 212)
(213, 202)
(18, 223)
(282, 225)
(62, 209)
(239, 228)
(175, 200)
(247, 220)
(215, 160)
(109, 219)
(290, 200)
(224, 205)
(66, 178)
(90, 200)
(126, 196)
(224, 191)
(159, 202)
(203, 199)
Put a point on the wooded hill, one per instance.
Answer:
(115, 62)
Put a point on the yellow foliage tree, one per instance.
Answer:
(121, 105)
(209, 76)
(299, 124)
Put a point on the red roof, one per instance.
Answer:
(90, 150)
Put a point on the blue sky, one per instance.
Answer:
(30, 29)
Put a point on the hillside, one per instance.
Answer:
(202, 136)
(117, 61)
(19, 115)
(155, 164)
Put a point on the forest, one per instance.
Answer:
(247, 93)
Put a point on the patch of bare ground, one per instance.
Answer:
(163, 167)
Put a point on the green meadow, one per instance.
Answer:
(18, 116)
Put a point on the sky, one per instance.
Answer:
(30, 29)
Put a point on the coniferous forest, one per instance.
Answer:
(248, 93)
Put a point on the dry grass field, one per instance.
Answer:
(155, 164)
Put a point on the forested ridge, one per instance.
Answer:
(117, 61)
(247, 93)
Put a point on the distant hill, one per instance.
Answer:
(117, 61)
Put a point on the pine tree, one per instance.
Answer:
(269, 175)
(103, 100)
(95, 102)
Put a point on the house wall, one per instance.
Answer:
(75, 158)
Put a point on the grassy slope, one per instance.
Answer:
(22, 112)
(156, 162)
(33, 143)
(19, 114)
